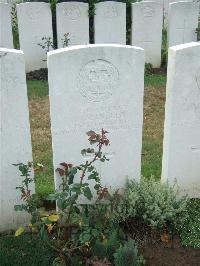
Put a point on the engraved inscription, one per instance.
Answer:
(33, 13)
(97, 80)
(110, 12)
(148, 12)
(198, 79)
(189, 99)
(195, 148)
(72, 12)
(112, 118)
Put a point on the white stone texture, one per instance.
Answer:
(72, 18)
(147, 20)
(102, 88)
(181, 149)
(110, 22)
(15, 138)
(6, 38)
(34, 22)
(182, 23)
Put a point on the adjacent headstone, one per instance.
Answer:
(110, 22)
(147, 20)
(182, 23)
(6, 39)
(72, 19)
(34, 23)
(181, 150)
(15, 139)
(102, 88)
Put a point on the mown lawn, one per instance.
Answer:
(41, 137)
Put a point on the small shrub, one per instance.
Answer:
(190, 227)
(128, 255)
(156, 203)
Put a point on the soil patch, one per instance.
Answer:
(41, 74)
(159, 249)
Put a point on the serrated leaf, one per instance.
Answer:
(87, 193)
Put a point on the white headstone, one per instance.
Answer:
(34, 22)
(72, 19)
(110, 22)
(102, 88)
(15, 139)
(182, 23)
(147, 20)
(181, 150)
(6, 39)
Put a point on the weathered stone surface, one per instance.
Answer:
(110, 22)
(147, 19)
(102, 88)
(72, 18)
(181, 150)
(34, 22)
(6, 39)
(182, 22)
(15, 139)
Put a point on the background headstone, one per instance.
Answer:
(34, 23)
(181, 150)
(110, 22)
(147, 20)
(72, 18)
(6, 38)
(15, 138)
(182, 22)
(102, 88)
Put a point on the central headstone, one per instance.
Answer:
(94, 87)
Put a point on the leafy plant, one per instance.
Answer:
(46, 44)
(157, 204)
(74, 229)
(164, 50)
(128, 255)
(189, 228)
(148, 69)
(65, 40)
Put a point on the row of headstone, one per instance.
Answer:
(35, 27)
(106, 82)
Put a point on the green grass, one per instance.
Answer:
(24, 251)
(37, 89)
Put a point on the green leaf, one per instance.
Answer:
(76, 188)
(95, 176)
(43, 233)
(20, 207)
(87, 193)
(19, 231)
(51, 197)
